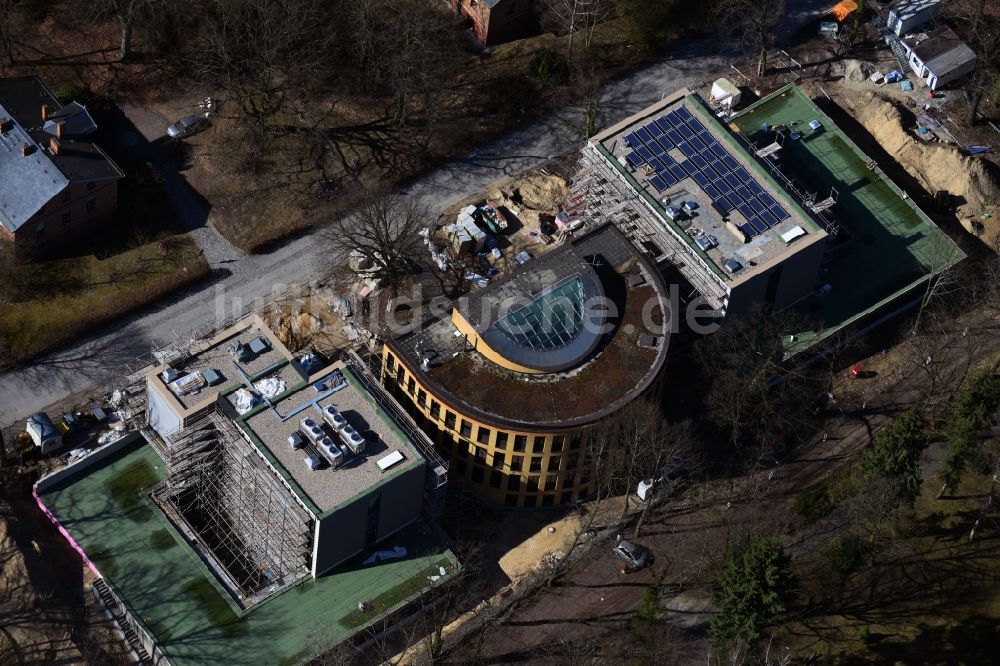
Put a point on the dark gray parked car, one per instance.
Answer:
(187, 126)
(634, 555)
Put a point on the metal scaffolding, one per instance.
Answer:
(248, 521)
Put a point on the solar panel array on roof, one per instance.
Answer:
(719, 174)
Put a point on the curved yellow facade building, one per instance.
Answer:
(507, 385)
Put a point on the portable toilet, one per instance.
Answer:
(43, 432)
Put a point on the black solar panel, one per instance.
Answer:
(732, 180)
(758, 225)
(699, 162)
(697, 143)
(645, 153)
(657, 164)
(643, 135)
(686, 132)
(768, 218)
(723, 206)
(668, 178)
(700, 179)
(733, 200)
(663, 124)
(678, 172)
(674, 136)
(743, 175)
(633, 160)
(684, 113)
(748, 230)
(767, 199)
(664, 143)
(673, 118)
(719, 151)
(654, 130)
(667, 159)
(755, 187)
(712, 191)
(718, 170)
(631, 140)
(731, 162)
(687, 149)
(779, 213)
(744, 193)
(746, 211)
(658, 183)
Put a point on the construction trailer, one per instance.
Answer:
(43, 432)
(939, 57)
(906, 16)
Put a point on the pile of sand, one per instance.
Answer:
(937, 167)
(857, 70)
(294, 330)
(535, 192)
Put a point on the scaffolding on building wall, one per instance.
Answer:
(231, 504)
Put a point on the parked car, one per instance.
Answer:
(635, 556)
(187, 126)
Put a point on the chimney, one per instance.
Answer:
(54, 145)
(26, 149)
(6, 124)
(45, 112)
(59, 130)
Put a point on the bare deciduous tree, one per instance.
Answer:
(126, 13)
(260, 52)
(379, 241)
(752, 396)
(756, 21)
(575, 15)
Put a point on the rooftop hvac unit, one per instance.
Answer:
(334, 418)
(312, 462)
(332, 452)
(355, 442)
(312, 430)
(296, 440)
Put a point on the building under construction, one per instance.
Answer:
(277, 468)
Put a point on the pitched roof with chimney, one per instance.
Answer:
(42, 153)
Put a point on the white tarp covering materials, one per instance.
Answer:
(381, 555)
(792, 234)
(244, 400)
(440, 258)
(270, 387)
(188, 383)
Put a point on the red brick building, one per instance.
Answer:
(496, 21)
(55, 185)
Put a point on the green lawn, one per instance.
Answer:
(67, 297)
(107, 513)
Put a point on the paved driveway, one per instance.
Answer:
(239, 280)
